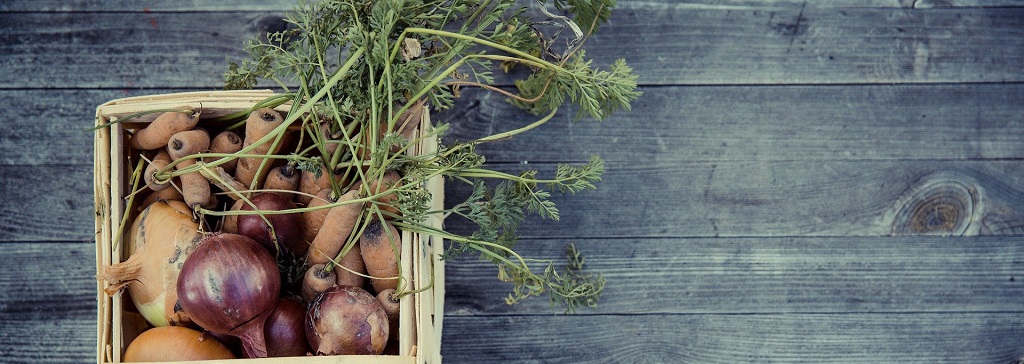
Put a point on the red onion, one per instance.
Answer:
(287, 227)
(286, 329)
(346, 320)
(229, 285)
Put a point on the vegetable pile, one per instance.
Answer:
(277, 230)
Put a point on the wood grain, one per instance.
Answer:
(666, 45)
(714, 300)
(696, 199)
(789, 198)
(764, 276)
(671, 124)
(279, 5)
(786, 338)
(815, 122)
(48, 304)
(802, 182)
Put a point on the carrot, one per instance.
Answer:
(409, 122)
(316, 280)
(194, 186)
(314, 219)
(226, 142)
(230, 222)
(161, 160)
(378, 244)
(167, 194)
(310, 183)
(385, 202)
(337, 227)
(389, 301)
(261, 122)
(285, 177)
(405, 126)
(157, 133)
(328, 136)
(350, 270)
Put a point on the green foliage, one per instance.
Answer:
(589, 13)
(363, 63)
(597, 92)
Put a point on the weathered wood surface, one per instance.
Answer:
(721, 199)
(667, 45)
(801, 182)
(279, 5)
(672, 124)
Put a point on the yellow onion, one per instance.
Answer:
(158, 242)
(175, 343)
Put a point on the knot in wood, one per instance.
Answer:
(935, 207)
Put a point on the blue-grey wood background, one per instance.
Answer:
(815, 182)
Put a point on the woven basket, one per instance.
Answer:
(420, 324)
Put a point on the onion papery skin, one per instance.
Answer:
(158, 242)
(346, 320)
(229, 285)
(175, 343)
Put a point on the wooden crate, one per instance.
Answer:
(422, 313)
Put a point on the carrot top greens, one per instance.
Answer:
(368, 63)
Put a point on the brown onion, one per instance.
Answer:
(286, 329)
(159, 240)
(287, 228)
(346, 320)
(175, 343)
(229, 285)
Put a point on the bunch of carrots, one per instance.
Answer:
(328, 182)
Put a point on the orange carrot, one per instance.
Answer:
(328, 136)
(230, 222)
(167, 194)
(316, 280)
(335, 231)
(285, 177)
(310, 183)
(194, 186)
(226, 142)
(387, 201)
(350, 270)
(314, 219)
(409, 122)
(378, 244)
(392, 308)
(260, 123)
(157, 133)
(161, 160)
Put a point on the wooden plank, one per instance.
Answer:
(52, 126)
(48, 303)
(681, 124)
(900, 309)
(790, 198)
(644, 199)
(668, 124)
(787, 338)
(280, 5)
(763, 276)
(814, 338)
(43, 203)
(666, 45)
(124, 51)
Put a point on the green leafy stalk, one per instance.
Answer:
(357, 69)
